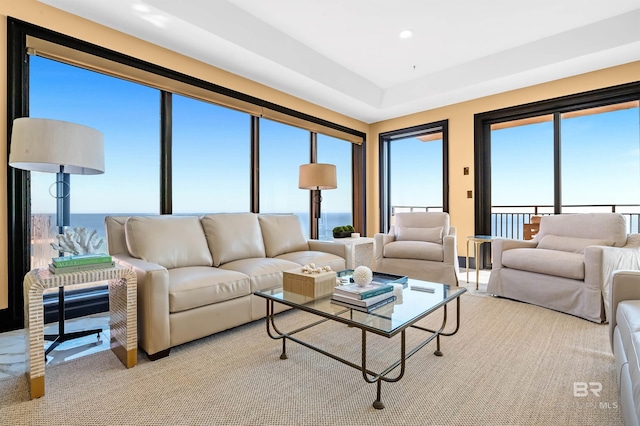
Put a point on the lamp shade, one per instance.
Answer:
(43, 145)
(317, 176)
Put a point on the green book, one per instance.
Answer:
(80, 268)
(81, 259)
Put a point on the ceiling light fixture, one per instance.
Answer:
(405, 34)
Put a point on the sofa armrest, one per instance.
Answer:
(500, 245)
(599, 264)
(153, 303)
(380, 240)
(329, 247)
(625, 285)
(450, 247)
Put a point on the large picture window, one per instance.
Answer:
(174, 144)
(413, 165)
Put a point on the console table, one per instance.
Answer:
(122, 309)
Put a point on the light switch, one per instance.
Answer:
(469, 194)
(466, 170)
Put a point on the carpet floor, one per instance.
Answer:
(510, 364)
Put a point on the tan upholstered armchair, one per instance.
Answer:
(421, 245)
(568, 265)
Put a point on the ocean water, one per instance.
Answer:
(44, 228)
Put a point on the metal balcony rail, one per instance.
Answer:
(508, 221)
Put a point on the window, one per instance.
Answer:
(521, 173)
(127, 115)
(576, 154)
(413, 171)
(336, 203)
(211, 151)
(282, 150)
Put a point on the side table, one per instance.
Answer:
(477, 240)
(122, 308)
(360, 251)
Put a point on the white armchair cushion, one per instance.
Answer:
(570, 244)
(431, 235)
(548, 262)
(420, 250)
(282, 234)
(233, 236)
(424, 220)
(169, 241)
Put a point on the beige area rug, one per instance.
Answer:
(510, 364)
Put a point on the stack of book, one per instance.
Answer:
(365, 299)
(80, 262)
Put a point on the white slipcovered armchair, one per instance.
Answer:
(421, 245)
(568, 265)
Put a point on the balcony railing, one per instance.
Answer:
(508, 221)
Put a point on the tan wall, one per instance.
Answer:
(39, 14)
(460, 118)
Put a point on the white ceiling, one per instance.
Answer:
(346, 55)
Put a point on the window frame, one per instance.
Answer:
(555, 106)
(18, 181)
(385, 140)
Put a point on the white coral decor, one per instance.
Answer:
(362, 276)
(78, 241)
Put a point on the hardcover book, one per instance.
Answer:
(81, 259)
(357, 292)
(360, 302)
(79, 268)
(367, 309)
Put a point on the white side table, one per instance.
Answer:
(360, 251)
(122, 308)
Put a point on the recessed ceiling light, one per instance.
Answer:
(405, 34)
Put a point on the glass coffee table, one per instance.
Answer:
(390, 320)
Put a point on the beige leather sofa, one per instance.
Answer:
(624, 333)
(196, 275)
(420, 245)
(568, 265)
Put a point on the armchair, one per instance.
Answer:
(421, 245)
(567, 267)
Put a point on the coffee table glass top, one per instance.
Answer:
(409, 307)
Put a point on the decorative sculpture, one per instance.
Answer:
(78, 241)
(312, 269)
(362, 275)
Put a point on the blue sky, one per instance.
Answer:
(211, 146)
(600, 156)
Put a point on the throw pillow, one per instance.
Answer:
(430, 235)
(570, 244)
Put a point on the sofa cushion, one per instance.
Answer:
(169, 241)
(233, 236)
(570, 244)
(430, 235)
(197, 286)
(319, 258)
(420, 250)
(263, 272)
(282, 234)
(549, 262)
